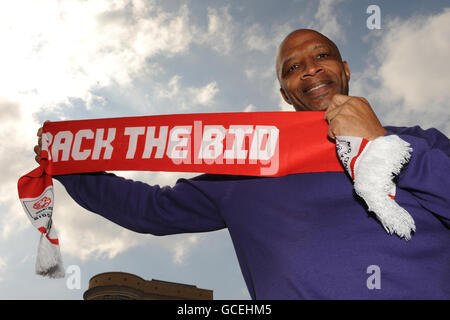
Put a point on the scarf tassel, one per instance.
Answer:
(381, 160)
(49, 261)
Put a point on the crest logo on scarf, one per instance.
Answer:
(40, 207)
(42, 203)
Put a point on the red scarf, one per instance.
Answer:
(256, 144)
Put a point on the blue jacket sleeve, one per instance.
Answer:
(143, 208)
(427, 175)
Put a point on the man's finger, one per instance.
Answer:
(340, 99)
(37, 150)
(331, 113)
(330, 109)
(330, 133)
(39, 133)
(336, 102)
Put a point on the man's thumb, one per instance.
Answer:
(339, 99)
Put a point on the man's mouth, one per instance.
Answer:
(317, 88)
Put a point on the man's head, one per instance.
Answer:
(310, 70)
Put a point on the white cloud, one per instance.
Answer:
(221, 31)
(258, 73)
(282, 104)
(255, 39)
(92, 100)
(186, 98)
(3, 267)
(245, 294)
(250, 108)
(412, 72)
(326, 20)
(182, 248)
(56, 50)
(206, 94)
(60, 49)
(81, 236)
(17, 130)
(415, 61)
(86, 235)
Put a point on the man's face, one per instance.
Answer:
(311, 71)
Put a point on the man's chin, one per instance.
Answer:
(321, 102)
(321, 106)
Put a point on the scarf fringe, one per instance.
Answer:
(49, 260)
(376, 167)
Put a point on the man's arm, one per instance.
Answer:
(143, 208)
(140, 207)
(427, 174)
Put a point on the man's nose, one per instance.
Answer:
(311, 69)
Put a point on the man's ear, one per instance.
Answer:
(285, 97)
(346, 70)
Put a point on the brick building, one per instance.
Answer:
(122, 285)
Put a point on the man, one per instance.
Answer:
(305, 236)
(313, 77)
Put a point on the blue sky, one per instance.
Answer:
(76, 59)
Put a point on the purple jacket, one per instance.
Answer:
(302, 236)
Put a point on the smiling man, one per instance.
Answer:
(310, 70)
(305, 236)
(313, 77)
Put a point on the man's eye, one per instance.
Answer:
(293, 67)
(322, 55)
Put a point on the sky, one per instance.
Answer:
(77, 59)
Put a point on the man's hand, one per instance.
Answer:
(37, 148)
(352, 116)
